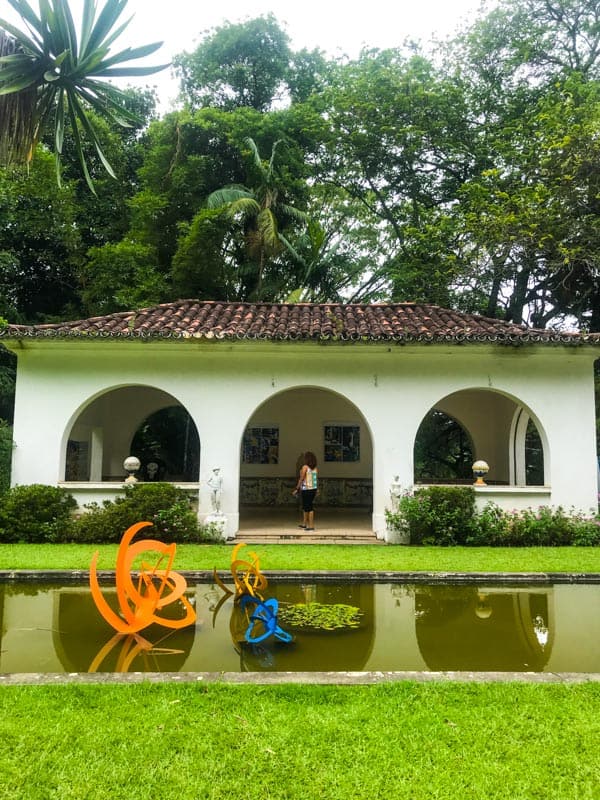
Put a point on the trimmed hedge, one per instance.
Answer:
(163, 504)
(39, 513)
(35, 513)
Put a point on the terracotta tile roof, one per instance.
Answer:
(377, 322)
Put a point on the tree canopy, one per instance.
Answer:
(466, 175)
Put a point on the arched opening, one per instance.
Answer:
(276, 436)
(527, 451)
(118, 422)
(484, 424)
(443, 450)
(168, 446)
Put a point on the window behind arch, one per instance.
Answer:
(443, 451)
(169, 439)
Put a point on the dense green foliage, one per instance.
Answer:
(441, 515)
(39, 513)
(446, 515)
(464, 175)
(6, 451)
(185, 741)
(35, 513)
(162, 504)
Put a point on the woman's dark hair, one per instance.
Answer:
(310, 459)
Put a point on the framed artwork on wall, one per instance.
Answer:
(341, 443)
(261, 445)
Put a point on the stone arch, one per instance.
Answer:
(99, 433)
(297, 419)
(496, 423)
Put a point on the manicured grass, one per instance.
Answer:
(323, 557)
(397, 740)
(406, 740)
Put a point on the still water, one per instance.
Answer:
(46, 628)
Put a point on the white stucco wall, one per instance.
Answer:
(224, 386)
(300, 415)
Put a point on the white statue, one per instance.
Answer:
(216, 486)
(396, 493)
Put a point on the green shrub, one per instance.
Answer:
(542, 527)
(491, 528)
(35, 513)
(439, 515)
(210, 533)
(163, 504)
(6, 450)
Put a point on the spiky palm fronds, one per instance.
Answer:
(63, 76)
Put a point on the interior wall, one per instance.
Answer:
(300, 415)
(487, 416)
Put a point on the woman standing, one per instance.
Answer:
(307, 486)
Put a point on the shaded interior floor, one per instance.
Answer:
(285, 521)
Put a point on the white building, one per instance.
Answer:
(262, 383)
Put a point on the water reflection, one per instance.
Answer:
(84, 642)
(470, 628)
(338, 650)
(553, 628)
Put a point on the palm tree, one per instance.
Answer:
(260, 210)
(48, 75)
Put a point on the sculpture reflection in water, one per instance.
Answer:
(253, 619)
(142, 603)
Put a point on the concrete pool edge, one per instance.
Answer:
(282, 678)
(326, 576)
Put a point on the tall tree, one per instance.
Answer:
(40, 245)
(237, 65)
(529, 220)
(260, 215)
(399, 146)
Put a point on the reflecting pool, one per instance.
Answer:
(47, 628)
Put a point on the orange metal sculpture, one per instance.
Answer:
(156, 588)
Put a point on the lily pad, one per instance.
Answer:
(320, 616)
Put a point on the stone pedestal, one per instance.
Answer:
(217, 518)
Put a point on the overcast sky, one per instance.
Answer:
(331, 25)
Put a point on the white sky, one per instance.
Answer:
(331, 25)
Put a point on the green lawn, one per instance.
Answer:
(215, 742)
(302, 742)
(319, 557)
